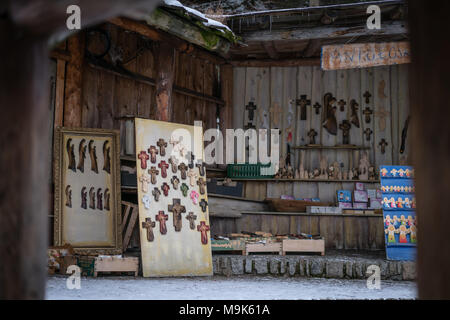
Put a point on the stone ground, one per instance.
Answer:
(247, 287)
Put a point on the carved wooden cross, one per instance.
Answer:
(184, 189)
(99, 199)
(92, 198)
(163, 166)
(317, 107)
(345, 127)
(162, 218)
(367, 113)
(251, 107)
(153, 152)
(201, 183)
(175, 182)
(312, 136)
(342, 104)
(354, 117)
(143, 156)
(162, 147)
(303, 102)
(84, 198)
(367, 95)
(174, 163)
(203, 204)
(193, 175)
(165, 188)
(183, 168)
(383, 143)
(203, 228)
(177, 209)
(149, 225)
(153, 173)
(144, 179)
(201, 168)
(191, 217)
(367, 133)
(156, 193)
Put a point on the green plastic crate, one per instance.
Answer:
(249, 171)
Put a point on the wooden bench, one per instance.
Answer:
(304, 245)
(116, 264)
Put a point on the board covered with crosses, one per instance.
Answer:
(173, 203)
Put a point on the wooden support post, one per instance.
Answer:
(431, 137)
(164, 55)
(74, 80)
(24, 165)
(226, 111)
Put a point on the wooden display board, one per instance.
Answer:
(173, 203)
(87, 190)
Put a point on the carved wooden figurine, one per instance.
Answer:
(191, 217)
(156, 193)
(153, 173)
(177, 209)
(93, 156)
(203, 228)
(354, 117)
(165, 188)
(364, 165)
(368, 132)
(106, 157)
(345, 127)
(81, 154)
(342, 104)
(84, 198)
(106, 197)
(149, 225)
(367, 113)
(312, 136)
(183, 168)
(68, 196)
(202, 185)
(162, 218)
(203, 204)
(193, 175)
(71, 155)
(163, 166)
(162, 147)
(92, 198)
(143, 156)
(99, 199)
(329, 121)
(383, 143)
(153, 152)
(184, 189)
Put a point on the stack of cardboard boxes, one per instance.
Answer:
(361, 199)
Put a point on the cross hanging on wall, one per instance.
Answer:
(303, 102)
(251, 107)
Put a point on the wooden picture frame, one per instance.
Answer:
(89, 221)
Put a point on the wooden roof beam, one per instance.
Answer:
(262, 63)
(270, 49)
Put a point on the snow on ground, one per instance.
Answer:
(222, 288)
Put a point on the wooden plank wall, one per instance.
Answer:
(279, 86)
(106, 96)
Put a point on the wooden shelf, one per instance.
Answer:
(302, 180)
(319, 147)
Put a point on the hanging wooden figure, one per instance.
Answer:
(93, 156)
(191, 217)
(81, 154)
(329, 121)
(203, 228)
(354, 117)
(162, 218)
(177, 209)
(149, 225)
(106, 157)
(71, 155)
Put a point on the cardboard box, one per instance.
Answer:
(345, 205)
(375, 204)
(359, 186)
(359, 205)
(360, 196)
(372, 193)
(344, 196)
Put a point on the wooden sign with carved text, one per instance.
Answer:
(363, 55)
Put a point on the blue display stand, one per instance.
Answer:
(399, 216)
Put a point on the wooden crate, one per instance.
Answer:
(263, 247)
(304, 245)
(116, 264)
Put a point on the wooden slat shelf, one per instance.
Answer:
(311, 214)
(343, 147)
(302, 180)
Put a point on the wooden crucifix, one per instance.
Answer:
(174, 163)
(383, 143)
(93, 156)
(162, 147)
(193, 175)
(184, 189)
(71, 155)
(175, 182)
(153, 172)
(163, 166)
(203, 228)
(342, 104)
(202, 184)
(191, 217)
(177, 209)
(251, 107)
(330, 122)
(367, 95)
(345, 126)
(203, 204)
(183, 168)
(143, 156)
(165, 188)
(162, 218)
(354, 116)
(382, 114)
(312, 136)
(153, 152)
(303, 102)
(144, 179)
(149, 225)
(317, 107)
(367, 133)
(367, 113)
(156, 193)
(81, 154)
